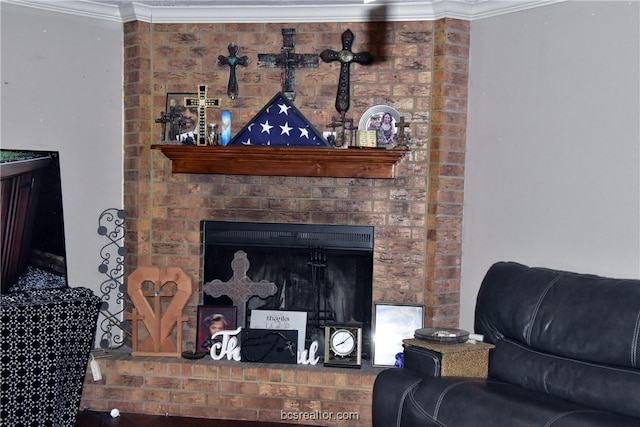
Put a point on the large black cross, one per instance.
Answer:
(233, 61)
(288, 60)
(346, 57)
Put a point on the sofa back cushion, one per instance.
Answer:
(577, 316)
(604, 387)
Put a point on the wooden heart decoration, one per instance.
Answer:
(149, 288)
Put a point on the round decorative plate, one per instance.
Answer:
(442, 335)
(377, 111)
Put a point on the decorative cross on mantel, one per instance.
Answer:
(240, 288)
(401, 136)
(346, 57)
(202, 103)
(233, 61)
(288, 60)
(345, 125)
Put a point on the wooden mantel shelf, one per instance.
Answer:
(283, 161)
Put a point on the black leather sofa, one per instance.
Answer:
(567, 353)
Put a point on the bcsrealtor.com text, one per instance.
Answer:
(318, 415)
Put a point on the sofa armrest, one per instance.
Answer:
(423, 361)
(390, 389)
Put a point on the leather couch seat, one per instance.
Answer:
(567, 353)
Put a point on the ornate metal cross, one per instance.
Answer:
(240, 288)
(233, 61)
(202, 103)
(346, 57)
(288, 60)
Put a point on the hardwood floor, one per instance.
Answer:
(100, 419)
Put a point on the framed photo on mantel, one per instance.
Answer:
(212, 319)
(392, 323)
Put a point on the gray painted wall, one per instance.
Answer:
(553, 151)
(61, 89)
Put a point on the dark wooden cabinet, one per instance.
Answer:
(19, 196)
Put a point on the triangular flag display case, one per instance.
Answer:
(279, 124)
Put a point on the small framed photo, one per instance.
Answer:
(382, 119)
(212, 319)
(180, 130)
(393, 322)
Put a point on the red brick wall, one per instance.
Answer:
(420, 69)
(231, 390)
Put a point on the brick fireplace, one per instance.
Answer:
(421, 70)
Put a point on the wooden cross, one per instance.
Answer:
(345, 125)
(401, 137)
(346, 57)
(240, 288)
(161, 319)
(233, 61)
(288, 60)
(202, 103)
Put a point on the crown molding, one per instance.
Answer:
(252, 12)
(89, 9)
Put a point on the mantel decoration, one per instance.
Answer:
(178, 121)
(345, 57)
(233, 61)
(382, 119)
(391, 324)
(240, 288)
(288, 60)
(202, 102)
(154, 284)
(279, 123)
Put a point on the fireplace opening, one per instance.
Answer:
(324, 270)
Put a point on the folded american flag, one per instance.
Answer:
(279, 123)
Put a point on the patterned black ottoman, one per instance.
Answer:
(45, 340)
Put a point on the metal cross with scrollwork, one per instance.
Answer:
(288, 60)
(346, 57)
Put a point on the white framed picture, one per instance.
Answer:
(393, 322)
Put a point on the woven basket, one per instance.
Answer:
(459, 360)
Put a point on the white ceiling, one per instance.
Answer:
(212, 11)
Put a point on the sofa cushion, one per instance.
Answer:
(579, 316)
(459, 402)
(599, 386)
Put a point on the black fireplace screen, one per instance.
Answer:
(325, 270)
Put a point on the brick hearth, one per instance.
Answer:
(421, 70)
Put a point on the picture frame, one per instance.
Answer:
(176, 101)
(281, 320)
(393, 322)
(373, 119)
(208, 319)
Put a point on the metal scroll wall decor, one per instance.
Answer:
(111, 326)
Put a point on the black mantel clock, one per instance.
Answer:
(343, 345)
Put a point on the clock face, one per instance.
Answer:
(342, 342)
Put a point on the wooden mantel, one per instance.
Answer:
(283, 161)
